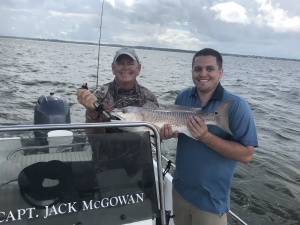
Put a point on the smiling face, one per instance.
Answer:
(126, 70)
(206, 74)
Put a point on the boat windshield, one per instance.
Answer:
(70, 178)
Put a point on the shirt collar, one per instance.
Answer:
(124, 91)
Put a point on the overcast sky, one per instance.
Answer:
(253, 27)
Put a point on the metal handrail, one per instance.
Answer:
(237, 218)
(104, 125)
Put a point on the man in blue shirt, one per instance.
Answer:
(205, 165)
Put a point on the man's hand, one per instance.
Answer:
(166, 132)
(86, 98)
(197, 128)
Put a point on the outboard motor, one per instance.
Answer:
(52, 109)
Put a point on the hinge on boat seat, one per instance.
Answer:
(167, 169)
(168, 217)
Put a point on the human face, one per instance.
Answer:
(126, 70)
(206, 74)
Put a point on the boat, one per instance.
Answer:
(52, 172)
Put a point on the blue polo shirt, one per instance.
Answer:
(203, 177)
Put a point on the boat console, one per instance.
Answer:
(74, 178)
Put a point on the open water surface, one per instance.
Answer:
(266, 191)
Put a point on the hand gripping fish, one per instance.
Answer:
(174, 115)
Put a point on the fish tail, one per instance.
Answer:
(222, 117)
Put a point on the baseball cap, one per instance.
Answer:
(127, 51)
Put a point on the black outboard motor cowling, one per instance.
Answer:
(52, 109)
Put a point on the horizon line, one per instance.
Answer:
(143, 47)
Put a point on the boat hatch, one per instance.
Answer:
(77, 179)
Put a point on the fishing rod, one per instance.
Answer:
(99, 107)
(99, 44)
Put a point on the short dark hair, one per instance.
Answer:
(212, 52)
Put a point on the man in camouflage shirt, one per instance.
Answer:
(121, 92)
(116, 97)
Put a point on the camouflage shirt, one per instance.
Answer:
(117, 97)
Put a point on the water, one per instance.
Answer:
(266, 191)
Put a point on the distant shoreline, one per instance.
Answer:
(144, 47)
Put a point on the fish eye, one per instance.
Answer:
(216, 113)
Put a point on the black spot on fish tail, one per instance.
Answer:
(222, 117)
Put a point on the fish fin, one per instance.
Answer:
(184, 130)
(150, 106)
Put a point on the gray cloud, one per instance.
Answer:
(260, 27)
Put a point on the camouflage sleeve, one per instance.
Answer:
(101, 91)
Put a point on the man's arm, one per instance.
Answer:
(87, 99)
(199, 130)
(226, 148)
(93, 117)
